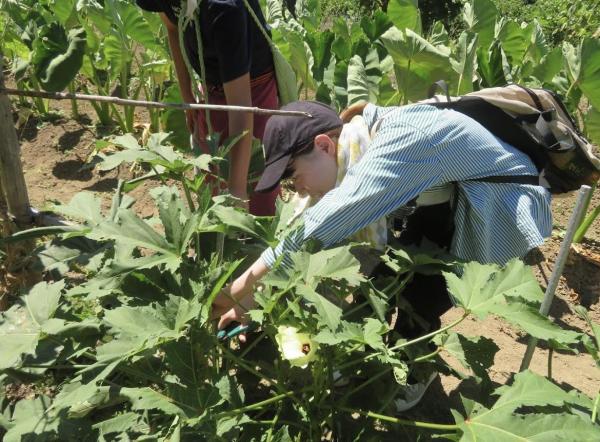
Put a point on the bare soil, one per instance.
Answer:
(55, 161)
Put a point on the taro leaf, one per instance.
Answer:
(320, 45)
(515, 40)
(550, 65)
(589, 70)
(539, 47)
(376, 25)
(490, 64)
(418, 63)
(359, 86)
(438, 35)
(173, 120)
(329, 314)
(301, 59)
(475, 353)
(336, 264)
(21, 327)
(465, 63)
(592, 125)
(502, 424)
(57, 56)
(405, 14)
(480, 17)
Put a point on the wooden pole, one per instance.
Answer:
(152, 104)
(11, 171)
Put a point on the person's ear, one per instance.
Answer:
(326, 144)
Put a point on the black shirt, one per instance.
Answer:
(231, 41)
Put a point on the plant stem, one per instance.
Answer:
(74, 108)
(595, 409)
(394, 420)
(407, 343)
(550, 354)
(255, 406)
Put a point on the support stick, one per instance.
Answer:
(152, 104)
(561, 260)
(11, 171)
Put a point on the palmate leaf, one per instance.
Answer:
(140, 328)
(21, 327)
(486, 289)
(475, 353)
(328, 313)
(337, 264)
(501, 423)
(84, 206)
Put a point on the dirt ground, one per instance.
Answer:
(55, 154)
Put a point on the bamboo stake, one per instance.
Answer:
(559, 265)
(152, 104)
(11, 171)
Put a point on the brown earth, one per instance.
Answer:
(55, 162)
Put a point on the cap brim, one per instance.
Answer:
(272, 174)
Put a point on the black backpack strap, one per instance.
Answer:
(443, 86)
(532, 180)
(499, 123)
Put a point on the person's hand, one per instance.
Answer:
(234, 314)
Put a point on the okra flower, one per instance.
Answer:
(298, 348)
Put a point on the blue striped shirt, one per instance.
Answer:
(417, 147)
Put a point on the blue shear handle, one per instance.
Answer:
(235, 329)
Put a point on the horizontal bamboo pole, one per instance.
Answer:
(153, 104)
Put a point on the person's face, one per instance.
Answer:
(315, 173)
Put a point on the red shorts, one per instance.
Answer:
(264, 95)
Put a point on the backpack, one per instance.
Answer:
(536, 122)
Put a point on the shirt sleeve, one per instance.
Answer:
(400, 163)
(229, 30)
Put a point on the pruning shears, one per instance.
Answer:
(234, 329)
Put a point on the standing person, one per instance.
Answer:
(411, 149)
(239, 71)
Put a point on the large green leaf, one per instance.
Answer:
(405, 14)
(320, 46)
(375, 26)
(589, 72)
(337, 264)
(500, 423)
(491, 68)
(550, 65)
(475, 353)
(465, 62)
(418, 63)
(84, 206)
(360, 88)
(57, 56)
(173, 120)
(480, 17)
(515, 40)
(485, 289)
(592, 125)
(22, 326)
(328, 313)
